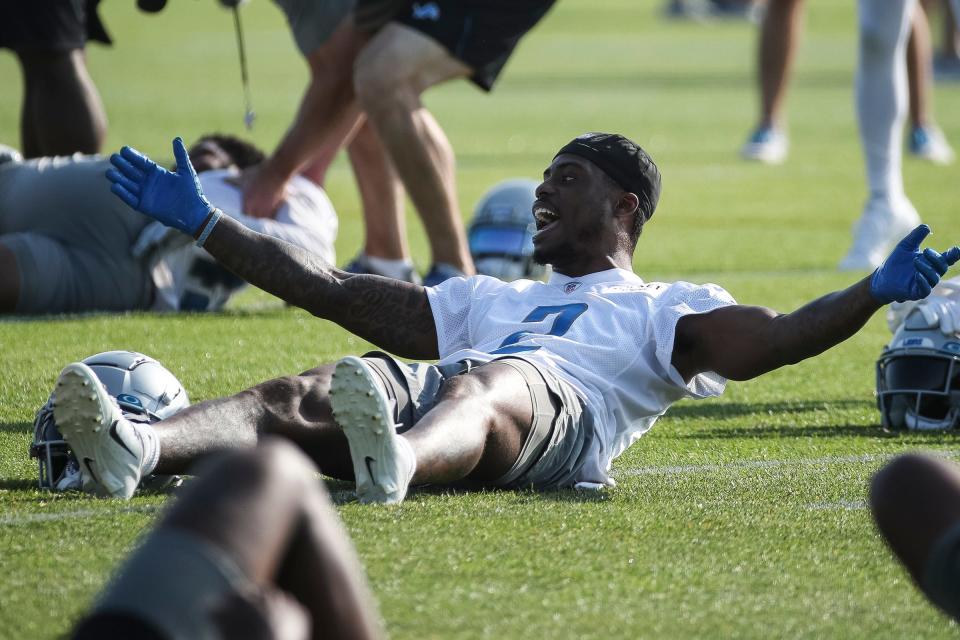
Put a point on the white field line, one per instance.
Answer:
(30, 518)
(768, 464)
(17, 520)
(345, 495)
(738, 465)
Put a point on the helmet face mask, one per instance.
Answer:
(50, 449)
(144, 390)
(918, 378)
(501, 232)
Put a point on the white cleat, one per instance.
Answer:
(928, 143)
(383, 462)
(107, 446)
(880, 226)
(767, 145)
(9, 154)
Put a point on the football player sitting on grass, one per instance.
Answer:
(538, 384)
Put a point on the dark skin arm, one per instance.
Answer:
(392, 314)
(740, 342)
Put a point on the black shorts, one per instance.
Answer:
(49, 25)
(480, 33)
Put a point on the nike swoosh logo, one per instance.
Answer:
(116, 438)
(368, 460)
(86, 463)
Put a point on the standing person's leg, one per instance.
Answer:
(881, 99)
(326, 116)
(255, 528)
(926, 140)
(385, 251)
(62, 111)
(779, 40)
(390, 75)
(915, 501)
(946, 61)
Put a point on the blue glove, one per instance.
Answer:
(175, 199)
(908, 273)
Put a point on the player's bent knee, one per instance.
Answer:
(275, 462)
(284, 461)
(896, 489)
(282, 392)
(889, 482)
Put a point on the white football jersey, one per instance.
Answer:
(608, 334)
(187, 278)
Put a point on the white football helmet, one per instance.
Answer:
(144, 390)
(501, 233)
(918, 377)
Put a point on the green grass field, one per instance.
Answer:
(736, 517)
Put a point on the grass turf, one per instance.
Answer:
(741, 516)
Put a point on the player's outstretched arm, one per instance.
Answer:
(393, 315)
(741, 342)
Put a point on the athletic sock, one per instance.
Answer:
(397, 269)
(882, 92)
(150, 441)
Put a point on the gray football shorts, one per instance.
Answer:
(173, 582)
(59, 278)
(312, 22)
(941, 576)
(559, 437)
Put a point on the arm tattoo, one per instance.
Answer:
(392, 314)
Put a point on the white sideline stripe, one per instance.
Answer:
(341, 496)
(346, 494)
(768, 464)
(29, 518)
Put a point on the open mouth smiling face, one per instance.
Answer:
(546, 218)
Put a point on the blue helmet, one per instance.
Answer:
(501, 233)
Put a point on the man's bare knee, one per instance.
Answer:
(277, 460)
(294, 401)
(908, 476)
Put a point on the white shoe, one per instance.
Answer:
(768, 145)
(880, 226)
(9, 154)
(383, 462)
(928, 143)
(108, 447)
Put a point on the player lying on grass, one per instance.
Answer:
(67, 245)
(538, 384)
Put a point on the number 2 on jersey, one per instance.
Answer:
(565, 314)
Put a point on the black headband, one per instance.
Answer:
(624, 161)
